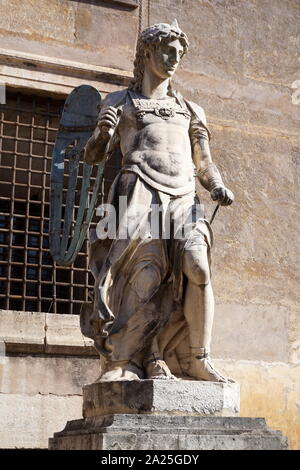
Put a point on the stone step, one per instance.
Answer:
(162, 432)
(146, 421)
(136, 440)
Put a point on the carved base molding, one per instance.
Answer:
(164, 415)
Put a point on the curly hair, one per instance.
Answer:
(151, 37)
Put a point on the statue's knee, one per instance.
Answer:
(196, 267)
(145, 280)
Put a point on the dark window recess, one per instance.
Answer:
(29, 279)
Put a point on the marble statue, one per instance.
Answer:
(153, 310)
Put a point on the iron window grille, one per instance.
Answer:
(29, 278)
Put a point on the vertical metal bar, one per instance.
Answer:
(42, 189)
(1, 133)
(27, 219)
(86, 290)
(9, 255)
(72, 268)
(43, 192)
(72, 289)
(1, 137)
(54, 288)
(11, 222)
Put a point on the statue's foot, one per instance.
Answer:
(201, 368)
(158, 369)
(120, 370)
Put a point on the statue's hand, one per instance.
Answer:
(223, 195)
(108, 121)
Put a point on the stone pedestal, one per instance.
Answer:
(186, 397)
(164, 415)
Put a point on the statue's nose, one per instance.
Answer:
(174, 60)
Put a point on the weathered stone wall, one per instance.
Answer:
(243, 60)
(47, 361)
(44, 364)
(100, 32)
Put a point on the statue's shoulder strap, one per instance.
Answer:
(198, 112)
(195, 110)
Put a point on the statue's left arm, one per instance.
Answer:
(207, 172)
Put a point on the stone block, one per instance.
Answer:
(27, 421)
(38, 332)
(165, 432)
(186, 397)
(37, 374)
(22, 331)
(63, 335)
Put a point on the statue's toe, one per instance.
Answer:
(158, 370)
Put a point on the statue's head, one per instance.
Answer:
(160, 47)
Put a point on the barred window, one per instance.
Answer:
(29, 279)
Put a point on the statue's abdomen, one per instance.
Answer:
(162, 151)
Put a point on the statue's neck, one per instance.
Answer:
(154, 87)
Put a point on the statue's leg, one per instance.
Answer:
(145, 280)
(199, 313)
(127, 335)
(134, 350)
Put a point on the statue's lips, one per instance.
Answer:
(171, 68)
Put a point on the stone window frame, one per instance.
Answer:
(51, 75)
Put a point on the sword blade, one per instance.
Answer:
(214, 213)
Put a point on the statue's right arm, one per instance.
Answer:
(95, 148)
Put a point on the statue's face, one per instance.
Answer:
(163, 60)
